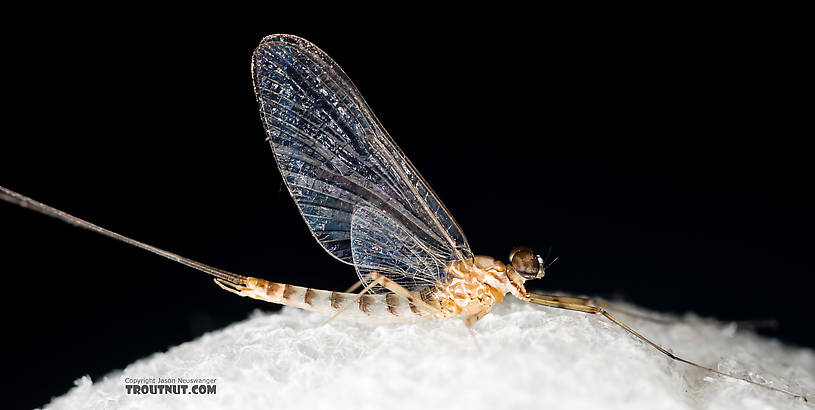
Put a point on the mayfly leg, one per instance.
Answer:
(354, 287)
(358, 283)
(382, 280)
(576, 305)
(377, 280)
(412, 298)
(745, 324)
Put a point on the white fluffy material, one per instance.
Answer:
(529, 357)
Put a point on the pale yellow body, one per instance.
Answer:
(474, 285)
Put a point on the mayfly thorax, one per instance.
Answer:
(368, 207)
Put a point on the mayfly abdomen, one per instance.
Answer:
(369, 308)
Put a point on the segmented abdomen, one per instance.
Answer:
(370, 308)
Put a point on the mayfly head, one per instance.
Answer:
(526, 262)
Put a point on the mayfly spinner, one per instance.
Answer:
(367, 206)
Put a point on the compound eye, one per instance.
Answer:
(525, 262)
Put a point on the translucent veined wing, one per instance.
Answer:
(378, 243)
(335, 156)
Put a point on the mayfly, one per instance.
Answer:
(367, 206)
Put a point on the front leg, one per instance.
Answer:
(470, 320)
(582, 305)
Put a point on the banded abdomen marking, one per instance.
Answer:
(379, 308)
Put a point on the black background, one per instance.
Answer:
(663, 162)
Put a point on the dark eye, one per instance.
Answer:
(525, 262)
